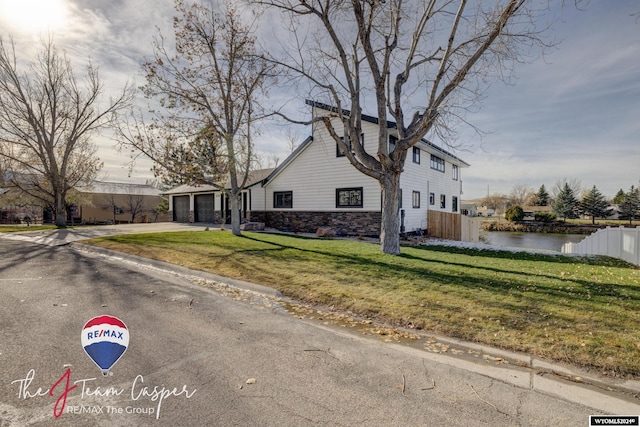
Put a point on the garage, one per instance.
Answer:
(181, 208)
(203, 207)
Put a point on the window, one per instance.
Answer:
(416, 155)
(349, 197)
(392, 142)
(416, 199)
(432, 199)
(443, 201)
(454, 172)
(400, 198)
(340, 153)
(437, 163)
(454, 204)
(283, 199)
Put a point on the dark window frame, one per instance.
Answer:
(283, 194)
(393, 141)
(454, 204)
(416, 155)
(350, 197)
(339, 152)
(443, 201)
(415, 199)
(437, 163)
(455, 172)
(432, 199)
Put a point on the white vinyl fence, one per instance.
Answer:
(621, 242)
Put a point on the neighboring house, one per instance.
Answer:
(469, 209)
(316, 186)
(531, 211)
(614, 212)
(112, 202)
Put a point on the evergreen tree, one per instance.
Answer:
(619, 197)
(541, 198)
(566, 204)
(630, 206)
(594, 204)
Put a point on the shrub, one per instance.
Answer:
(545, 216)
(514, 213)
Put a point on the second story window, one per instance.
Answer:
(454, 172)
(416, 155)
(392, 143)
(437, 163)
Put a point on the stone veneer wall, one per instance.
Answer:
(348, 223)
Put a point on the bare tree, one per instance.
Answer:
(47, 120)
(496, 202)
(113, 206)
(207, 90)
(426, 63)
(134, 203)
(521, 195)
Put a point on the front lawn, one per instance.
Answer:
(580, 311)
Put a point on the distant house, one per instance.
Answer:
(316, 186)
(469, 209)
(97, 203)
(531, 211)
(114, 202)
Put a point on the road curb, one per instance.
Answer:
(240, 284)
(619, 397)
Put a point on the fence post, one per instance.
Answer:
(636, 247)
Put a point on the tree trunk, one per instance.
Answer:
(390, 224)
(60, 210)
(235, 213)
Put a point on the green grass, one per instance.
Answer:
(20, 228)
(576, 310)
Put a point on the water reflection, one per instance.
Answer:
(544, 241)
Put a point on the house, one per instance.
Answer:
(531, 211)
(316, 186)
(469, 209)
(207, 204)
(113, 202)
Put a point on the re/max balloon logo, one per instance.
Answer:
(105, 339)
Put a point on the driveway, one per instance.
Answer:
(58, 237)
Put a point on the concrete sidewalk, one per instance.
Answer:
(64, 236)
(605, 394)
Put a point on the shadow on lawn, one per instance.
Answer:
(575, 289)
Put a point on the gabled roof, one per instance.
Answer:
(299, 149)
(390, 125)
(255, 177)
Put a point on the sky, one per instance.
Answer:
(573, 114)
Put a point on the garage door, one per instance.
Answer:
(204, 208)
(181, 208)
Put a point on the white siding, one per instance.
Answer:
(315, 174)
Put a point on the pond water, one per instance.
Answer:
(546, 241)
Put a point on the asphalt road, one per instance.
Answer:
(201, 357)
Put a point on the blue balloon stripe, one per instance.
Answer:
(105, 354)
